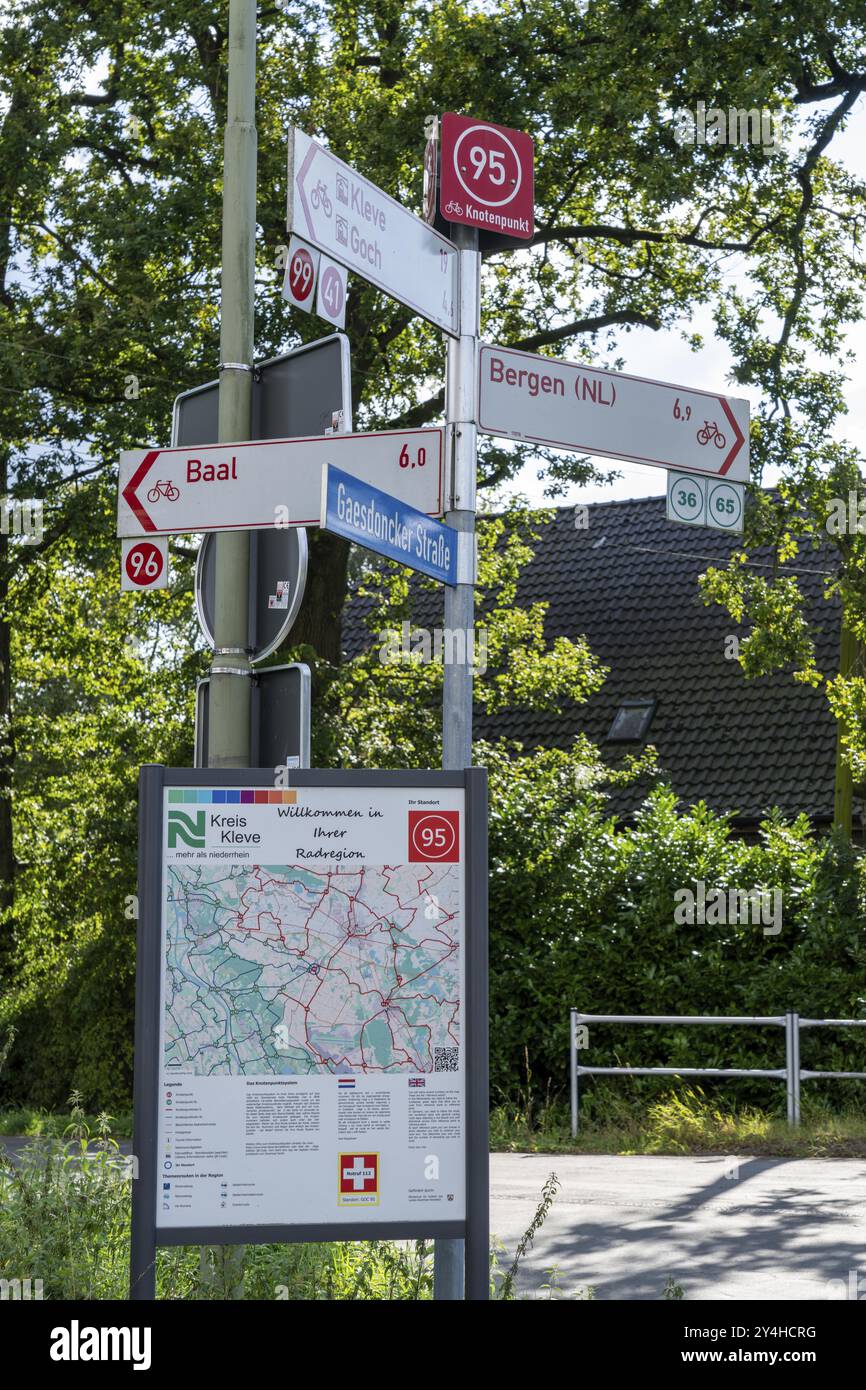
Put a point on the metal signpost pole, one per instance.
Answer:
(461, 390)
(229, 744)
(231, 688)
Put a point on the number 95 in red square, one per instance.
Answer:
(434, 837)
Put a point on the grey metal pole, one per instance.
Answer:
(229, 719)
(573, 1060)
(230, 685)
(461, 390)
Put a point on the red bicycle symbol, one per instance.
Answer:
(711, 431)
(165, 489)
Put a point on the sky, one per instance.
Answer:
(664, 356)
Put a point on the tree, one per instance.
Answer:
(110, 169)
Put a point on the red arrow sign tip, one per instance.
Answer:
(739, 438)
(129, 492)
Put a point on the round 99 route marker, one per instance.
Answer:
(144, 564)
(302, 269)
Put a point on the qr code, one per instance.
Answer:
(446, 1058)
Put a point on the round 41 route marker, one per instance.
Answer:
(331, 296)
(144, 564)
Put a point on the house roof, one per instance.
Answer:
(628, 583)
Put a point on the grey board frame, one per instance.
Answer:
(153, 779)
(295, 393)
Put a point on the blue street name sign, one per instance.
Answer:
(383, 523)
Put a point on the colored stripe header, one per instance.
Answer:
(231, 796)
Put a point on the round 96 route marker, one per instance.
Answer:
(144, 564)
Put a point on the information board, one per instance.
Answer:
(311, 1007)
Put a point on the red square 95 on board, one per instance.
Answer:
(434, 837)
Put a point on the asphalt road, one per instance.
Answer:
(722, 1228)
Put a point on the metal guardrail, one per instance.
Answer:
(791, 1073)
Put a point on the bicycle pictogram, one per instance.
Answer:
(455, 208)
(164, 489)
(710, 431)
(319, 198)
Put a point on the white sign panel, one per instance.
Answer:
(568, 406)
(311, 1058)
(351, 220)
(700, 501)
(273, 482)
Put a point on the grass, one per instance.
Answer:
(684, 1121)
(44, 1123)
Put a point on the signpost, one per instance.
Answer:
(311, 1011)
(332, 292)
(373, 518)
(349, 219)
(569, 406)
(700, 501)
(487, 178)
(274, 482)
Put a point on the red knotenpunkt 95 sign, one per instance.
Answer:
(434, 837)
(487, 176)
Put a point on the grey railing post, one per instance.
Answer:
(792, 1067)
(789, 1069)
(573, 1057)
(795, 1047)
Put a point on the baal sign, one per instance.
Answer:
(566, 405)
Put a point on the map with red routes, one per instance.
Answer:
(284, 969)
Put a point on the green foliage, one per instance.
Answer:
(582, 916)
(382, 710)
(110, 187)
(677, 1118)
(100, 689)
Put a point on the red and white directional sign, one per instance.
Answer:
(568, 406)
(351, 220)
(487, 177)
(270, 482)
(144, 564)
